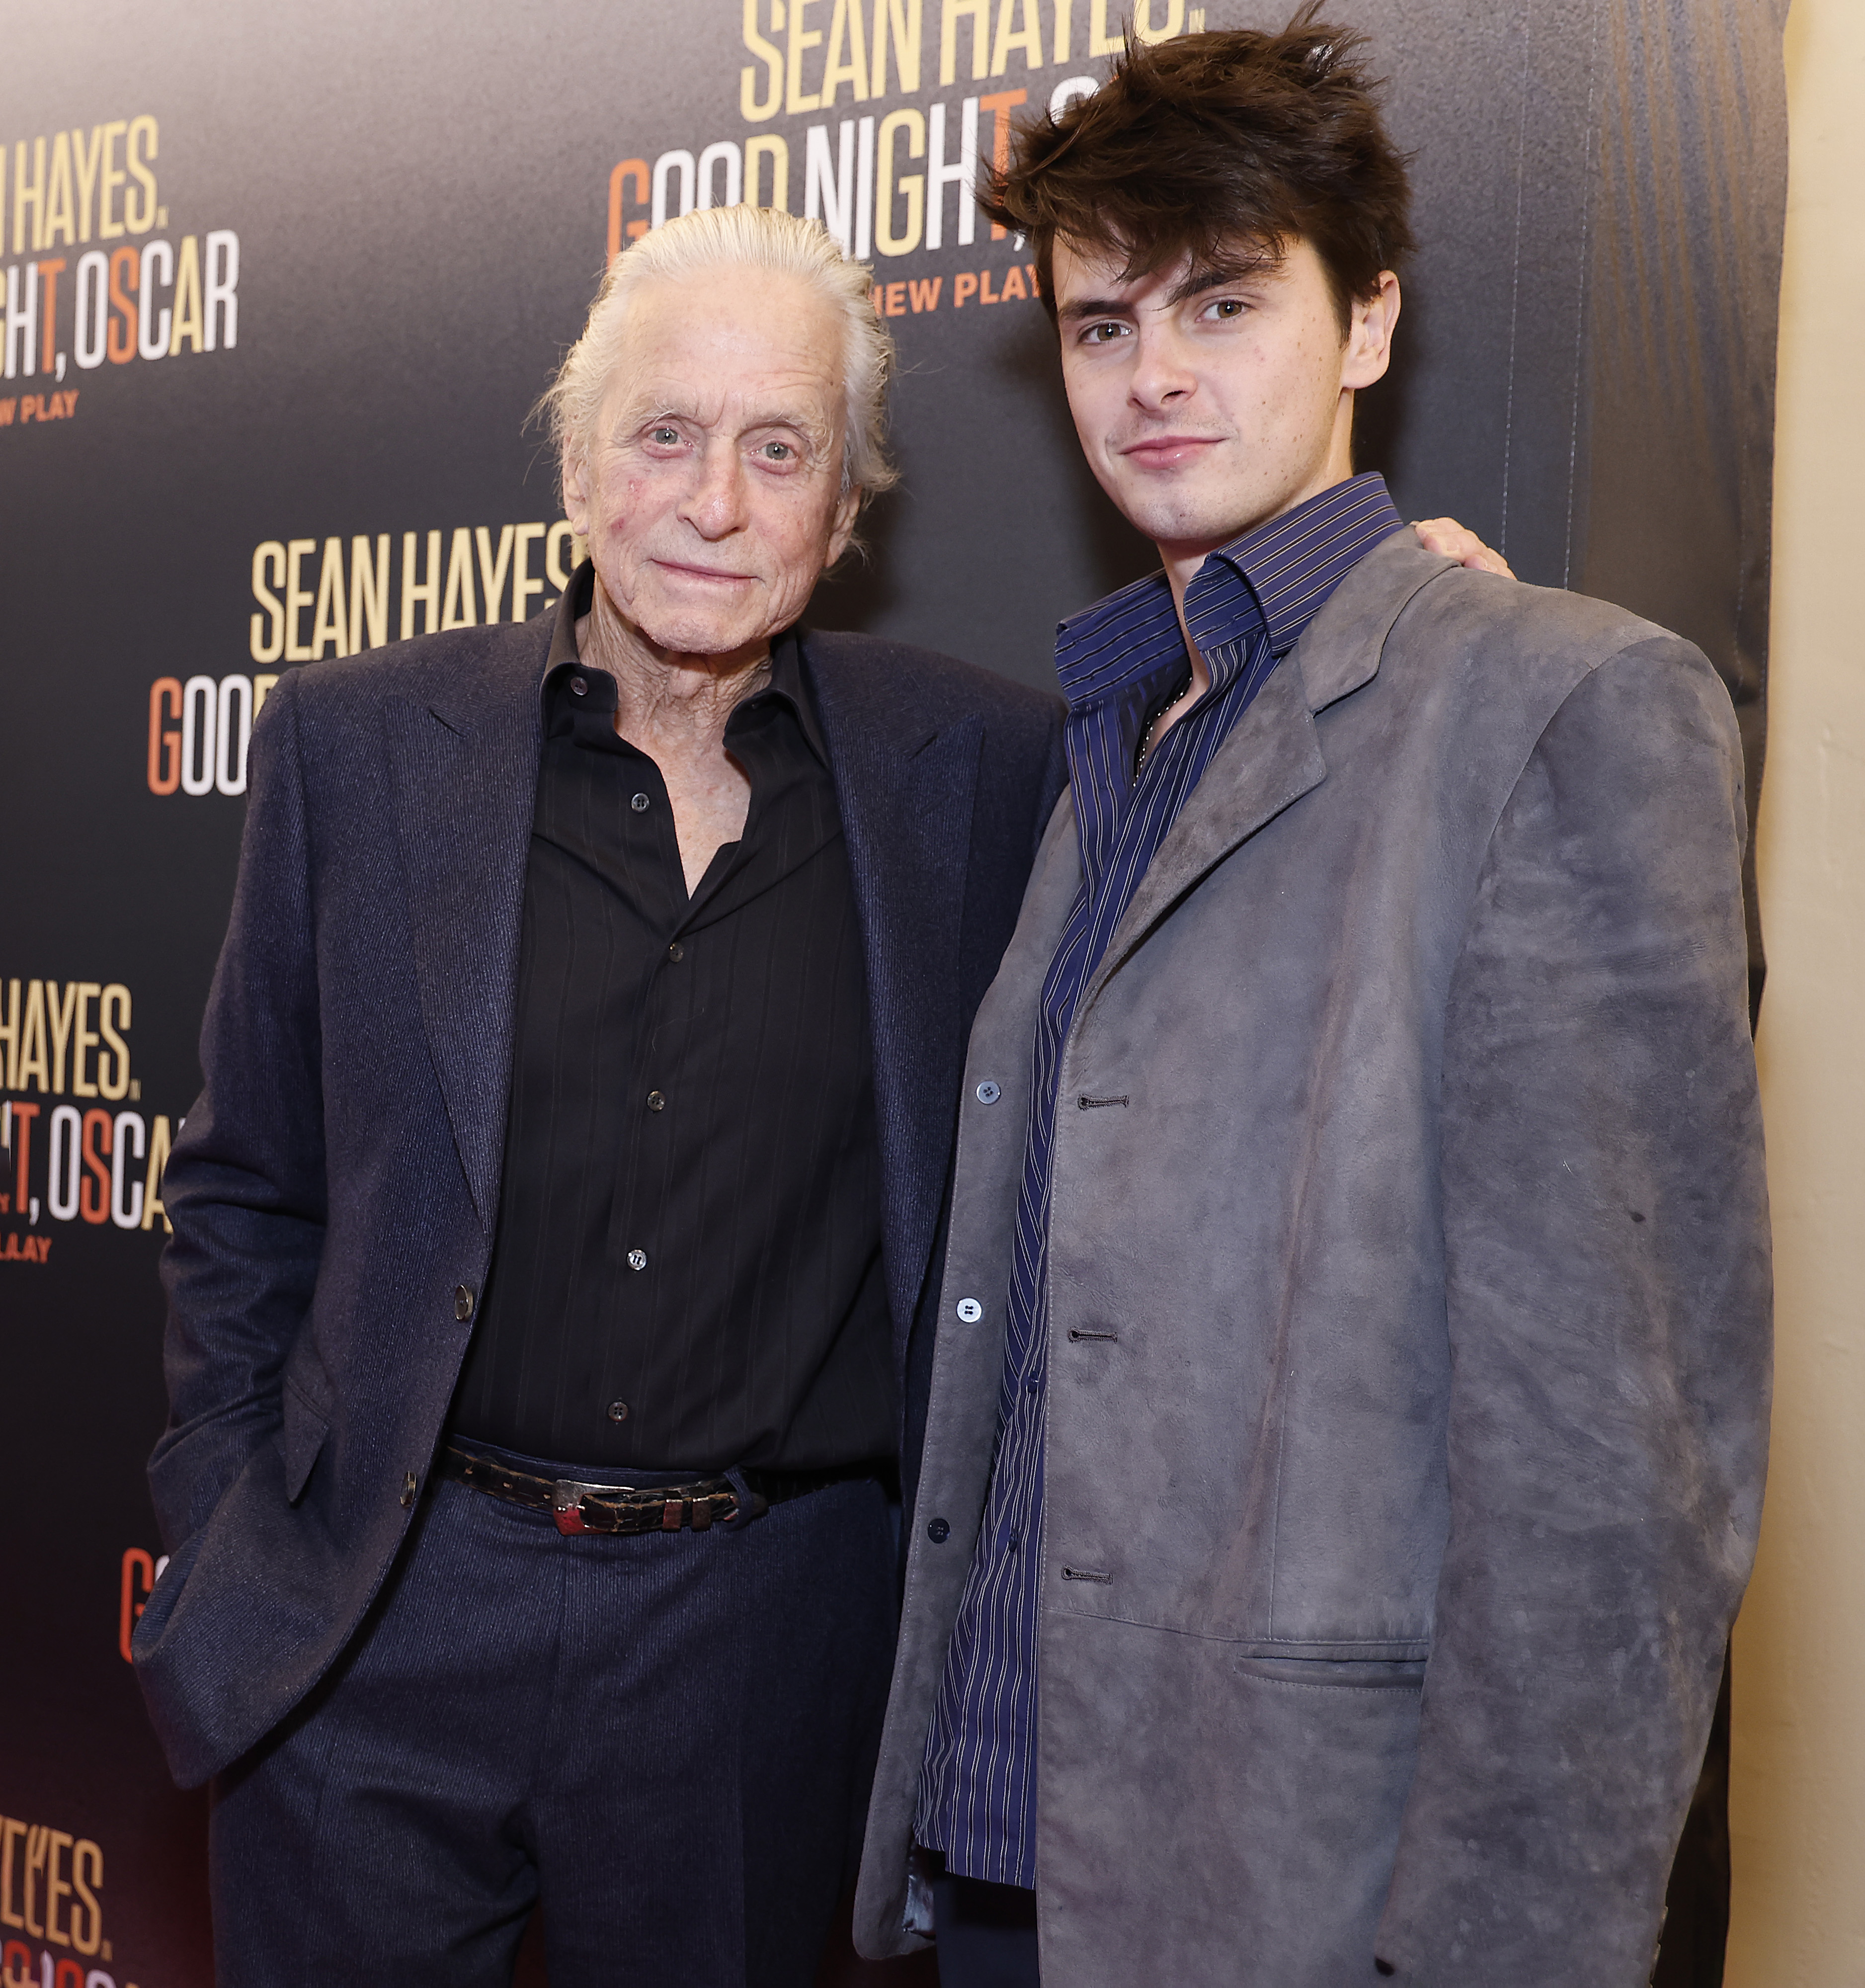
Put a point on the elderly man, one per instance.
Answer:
(581, 1067)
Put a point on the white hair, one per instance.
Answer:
(761, 238)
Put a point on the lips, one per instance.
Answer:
(683, 571)
(1166, 451)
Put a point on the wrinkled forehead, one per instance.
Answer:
(741, 343)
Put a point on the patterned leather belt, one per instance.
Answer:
(697, 1504)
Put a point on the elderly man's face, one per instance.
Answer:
(711, 498)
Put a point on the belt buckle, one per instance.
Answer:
(566, 1497)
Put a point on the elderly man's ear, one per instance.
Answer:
(1445, 535)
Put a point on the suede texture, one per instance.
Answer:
(1393, 1539)
(335, 1190)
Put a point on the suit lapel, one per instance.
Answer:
(1274, 756)
(1271, 760)
(906, 791)
(465, 769)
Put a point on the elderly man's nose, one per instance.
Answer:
(715, 504)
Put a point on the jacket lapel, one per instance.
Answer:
(905, 790)
(465, 769)
(1274, 756)
(1271, 760)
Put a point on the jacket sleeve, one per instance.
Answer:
(245, 1187)
(1607, 1281)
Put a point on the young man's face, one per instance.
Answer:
(1207, 405)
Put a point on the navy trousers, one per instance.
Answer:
(985, 1934)
(665, 1742)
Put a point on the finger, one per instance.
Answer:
(1449, 539)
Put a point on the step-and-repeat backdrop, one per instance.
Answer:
(281, 285)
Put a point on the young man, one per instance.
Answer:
(1347, 1423)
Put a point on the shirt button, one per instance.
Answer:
(989, 1092)
(656, 1101)
(938, 1531)
(579, 686)
(637, 1259)
(676, 951)
(970, 1310)
(462, 1303)
(640, 804)
(1016, 1540)
(407, 1491)
(1029, 1386)
(618, 1411)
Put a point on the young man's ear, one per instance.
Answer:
(1369, 329)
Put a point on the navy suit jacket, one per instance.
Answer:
(334, 1192)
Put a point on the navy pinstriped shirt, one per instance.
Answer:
(1246, 609)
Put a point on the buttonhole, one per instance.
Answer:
(1075, 1332)
(1097, 1104)
(1087, 1574)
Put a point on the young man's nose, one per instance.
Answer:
(1161, 374)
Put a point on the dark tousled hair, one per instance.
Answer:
(1226, 147)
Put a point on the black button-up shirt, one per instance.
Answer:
(686, 1272)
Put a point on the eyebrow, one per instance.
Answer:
(1212, 276)
(631, 420)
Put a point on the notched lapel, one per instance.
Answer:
(465, 787)
(1268, 763)
(1274, 756)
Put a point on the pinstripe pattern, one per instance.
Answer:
(1246, 609)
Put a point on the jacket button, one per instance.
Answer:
(640, 804)
(938, 1531)
(462, 1303)
(970, 1310)
(637, 1259)
(407, 1491)
(618, 1411)
(989, 1092)
(656, 1101)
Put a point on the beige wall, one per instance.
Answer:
(1798, 1796)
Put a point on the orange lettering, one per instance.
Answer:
(637, 171)
(49, 271)
(135, 1562)
(924, 297)
(125, 263)
(165, 741)
(964, 285)
(983, 289)
(1000, 107)
(95, 1207)
(896, 300)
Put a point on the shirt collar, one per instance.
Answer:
(786, 684)
(1272, 579)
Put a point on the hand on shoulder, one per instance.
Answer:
(1445, 535)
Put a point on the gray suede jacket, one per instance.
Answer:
(1409, 1323)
